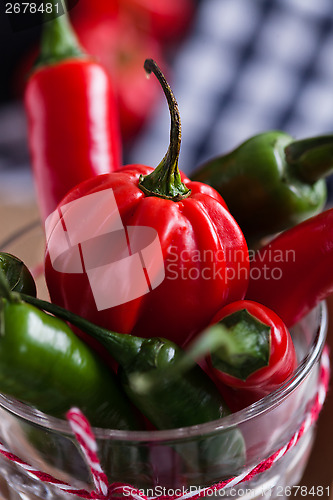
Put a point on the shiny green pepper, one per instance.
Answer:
(43, 363)
(135, 355)
(271, 182)
(17, 274)
(177, 401)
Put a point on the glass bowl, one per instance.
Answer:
(172, 461)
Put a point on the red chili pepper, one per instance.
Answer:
(203, 251)
(294, 272)
(72, 116)
(256, 353)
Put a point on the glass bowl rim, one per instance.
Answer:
(36, 417)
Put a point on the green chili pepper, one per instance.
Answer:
(169, 407)
(17, 274)
(271, 182)
(180, 399)
(43, 363)
(177, 401)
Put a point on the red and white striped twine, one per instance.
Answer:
(103, 490)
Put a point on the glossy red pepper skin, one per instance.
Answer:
(180, 306)
(72, 127)
(294, 272)
(72, 116)
(282, 357)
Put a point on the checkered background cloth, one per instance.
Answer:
(247, 66)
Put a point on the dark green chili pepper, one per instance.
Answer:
(43, 363)
(180, 399)
(17, 274)
(177, 401)
(271, 182)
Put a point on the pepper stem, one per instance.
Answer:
(165, 181)
(209, 341)
(59, 41)
(122, 347)
(245, 348)
(313, 158)
(238, 345)
(5, 290)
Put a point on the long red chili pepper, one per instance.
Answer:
(72, 116)
(294, 272)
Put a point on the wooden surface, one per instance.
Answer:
(319, 471)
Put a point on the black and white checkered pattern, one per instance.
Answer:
(248, 66)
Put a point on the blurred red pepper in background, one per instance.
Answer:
(112, 31)
(256, 353)
(73, 126)
(94, 9)
(121, 48)
(167, 20)
(294, 271)
(203, 251)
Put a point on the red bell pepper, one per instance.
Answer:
(72, 116)
(255, 352)
(204, 253)
(294, 272)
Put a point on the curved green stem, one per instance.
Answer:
(59, 41)
(209, 341)
(238, 345)
(313, 158)
(5, 290)
(245, 345)
(165, 181)
(7, 294)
